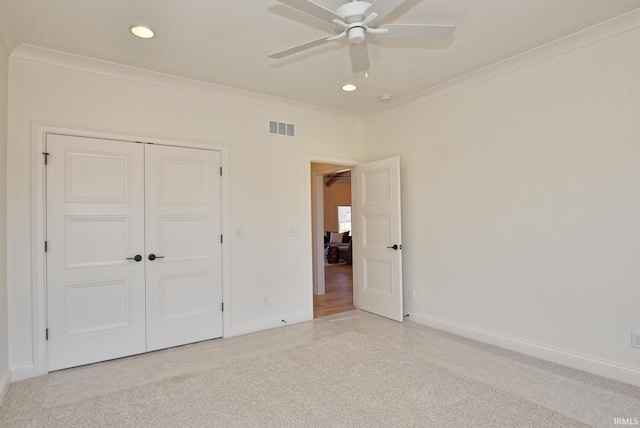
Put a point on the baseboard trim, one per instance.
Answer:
(5, 381)
(563, 357)
(22, 371)
(252, 327)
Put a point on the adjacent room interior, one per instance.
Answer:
(333, 286)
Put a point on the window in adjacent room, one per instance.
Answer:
(344, 218)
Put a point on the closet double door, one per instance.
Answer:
(133, 248)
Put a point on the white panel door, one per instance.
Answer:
(184, 280)
(378, 238)
(95, 225)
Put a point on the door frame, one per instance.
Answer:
(39, 131)
(315, 247)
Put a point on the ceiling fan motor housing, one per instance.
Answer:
(356, 35)
(353, 14)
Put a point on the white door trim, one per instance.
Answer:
(39, 131)
(315, 253)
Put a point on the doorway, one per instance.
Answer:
(333, 279)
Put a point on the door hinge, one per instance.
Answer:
(221, 239)
(220, 171)
(46, 157)
(46, 246)
(46, 334)
(222, 306)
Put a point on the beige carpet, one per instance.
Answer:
(347, 370)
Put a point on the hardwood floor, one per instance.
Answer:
(338, 295)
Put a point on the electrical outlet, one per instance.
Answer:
(239, 233)
(413, 293)
(635, 339)
(265, 301)
(293, 231)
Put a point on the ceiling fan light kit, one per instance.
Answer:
(355, 20)
(356, 35)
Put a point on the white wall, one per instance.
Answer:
(269, 188)
(4, 344)
(521, 206)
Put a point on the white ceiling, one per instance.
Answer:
(226, 42)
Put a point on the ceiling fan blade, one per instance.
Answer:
(302, 47)
(418, 31)
(313, 9)
(383, 8)
(359, 57)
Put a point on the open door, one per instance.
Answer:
(377, 240)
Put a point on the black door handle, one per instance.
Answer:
(137, 258)
(153, 257)
(395, 247)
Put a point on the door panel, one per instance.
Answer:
(85, 316)
(378, 276)
(377, 266)
(97, 176)
(182, 180)
(184, 295)
(95, 215)
(184, 287)
(188, 237)
(109, 244)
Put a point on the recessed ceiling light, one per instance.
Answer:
(384, 97)
(349, 87)
(142, 32)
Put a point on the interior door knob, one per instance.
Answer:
(153, 257)
(137, 258)
(395, 246)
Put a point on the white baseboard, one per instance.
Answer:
(28, 370)
(22, 371)
(566, 358)
(252, 327)
(5, 381)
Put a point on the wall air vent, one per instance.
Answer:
(280, 128)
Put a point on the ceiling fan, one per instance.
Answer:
(331, 179)
(355, 20)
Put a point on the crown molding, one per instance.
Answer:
(4, 47)
(610, 28)
(92, 65)
(607, 29)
